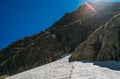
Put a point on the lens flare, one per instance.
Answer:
(90, 7)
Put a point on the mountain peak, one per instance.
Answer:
(63, 37)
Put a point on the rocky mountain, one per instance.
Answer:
(103, 44)
(62, 37)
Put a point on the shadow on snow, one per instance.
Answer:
(114, 65)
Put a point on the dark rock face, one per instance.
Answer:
(63, 37)
(103, 44)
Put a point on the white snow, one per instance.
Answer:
(62, 69)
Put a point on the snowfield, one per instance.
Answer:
(62, 69)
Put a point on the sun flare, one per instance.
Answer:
(90, 7)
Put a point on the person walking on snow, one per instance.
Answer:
(49, 59)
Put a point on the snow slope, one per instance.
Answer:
(62, 69)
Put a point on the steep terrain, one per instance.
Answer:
(62, 69)
(64, 36)
(103, 44)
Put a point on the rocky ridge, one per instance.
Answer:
(63, 37)
(102, 45)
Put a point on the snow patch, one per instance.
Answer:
(62, 69)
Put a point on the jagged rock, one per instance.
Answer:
(103, 44)
(62, 37)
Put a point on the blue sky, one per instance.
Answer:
(20, 18)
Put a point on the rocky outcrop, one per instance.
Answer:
(62, 37)
(103, 44)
